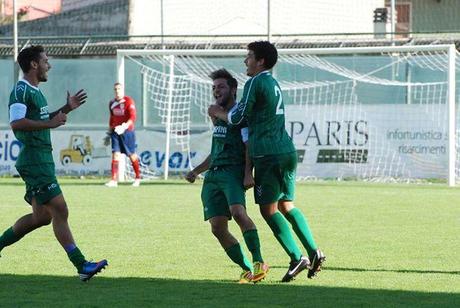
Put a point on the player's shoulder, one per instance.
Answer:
(21, 91)
(21, 86)
(128, 100)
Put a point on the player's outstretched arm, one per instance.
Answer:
(191, 176)
(73, 102)
(30, 125)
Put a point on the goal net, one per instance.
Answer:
(374, 113)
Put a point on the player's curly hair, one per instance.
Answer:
(29, 54)
(264, 50)
(223, 73)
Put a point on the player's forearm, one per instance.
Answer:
(65, 109)
(248, 163)
(30, 125)
(203, 166)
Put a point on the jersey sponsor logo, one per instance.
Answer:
(44, 113)
(220, 131)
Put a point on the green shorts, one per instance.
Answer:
(41, 183)
(222, 188)
(275, 178)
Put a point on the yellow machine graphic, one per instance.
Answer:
(80, 150)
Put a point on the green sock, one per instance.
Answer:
(252, 242)
(77, 258)
(281, 230)
(300, 225)
(8, 237)
(237, 255)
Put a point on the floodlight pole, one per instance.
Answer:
(162, 29)
(269, 33)
(15, 43)
(393, 21)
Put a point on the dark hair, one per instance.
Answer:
(28, 55)
(264, 50)
(117, 84)
(223, 73)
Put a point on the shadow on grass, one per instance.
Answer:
(36, 290)
(355, 269)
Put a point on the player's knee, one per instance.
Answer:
(42, 220)
(60, 211)
(267, 211)
(219, 231)
(239, 214)
(285, 206)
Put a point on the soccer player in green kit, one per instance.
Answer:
(274, 157)
(31, 122)
(229, 173)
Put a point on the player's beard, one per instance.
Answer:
(42, 77)
(224, 102)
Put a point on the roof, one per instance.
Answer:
(106, 46)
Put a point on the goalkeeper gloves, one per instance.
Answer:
(120, 129)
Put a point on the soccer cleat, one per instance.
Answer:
(316, 262)
(136, 183)
(245, 277)
(111, 183)
(91, 268)
(260, 271)
(295, 267)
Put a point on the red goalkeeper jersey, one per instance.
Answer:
(121, 111)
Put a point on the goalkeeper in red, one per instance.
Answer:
(31, 123)
(122, 135)
(228, 174)
(274, 157)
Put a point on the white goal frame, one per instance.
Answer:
(451, 78)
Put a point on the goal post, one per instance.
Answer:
(397, 102)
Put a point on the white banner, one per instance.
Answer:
(408, 141)
(83, 152)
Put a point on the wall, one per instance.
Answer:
(434, 16)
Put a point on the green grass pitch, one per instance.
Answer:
(386, 245)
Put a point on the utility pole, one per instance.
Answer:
(15, 43)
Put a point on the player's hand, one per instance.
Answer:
(120, 129)
(213, 120)
(191, 177)
(213, 110)
(58, 120)
(248, 181)
(107, 139)
(75, 101)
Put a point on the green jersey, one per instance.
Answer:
(263, 108)
(36, 147)
(227, 144)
